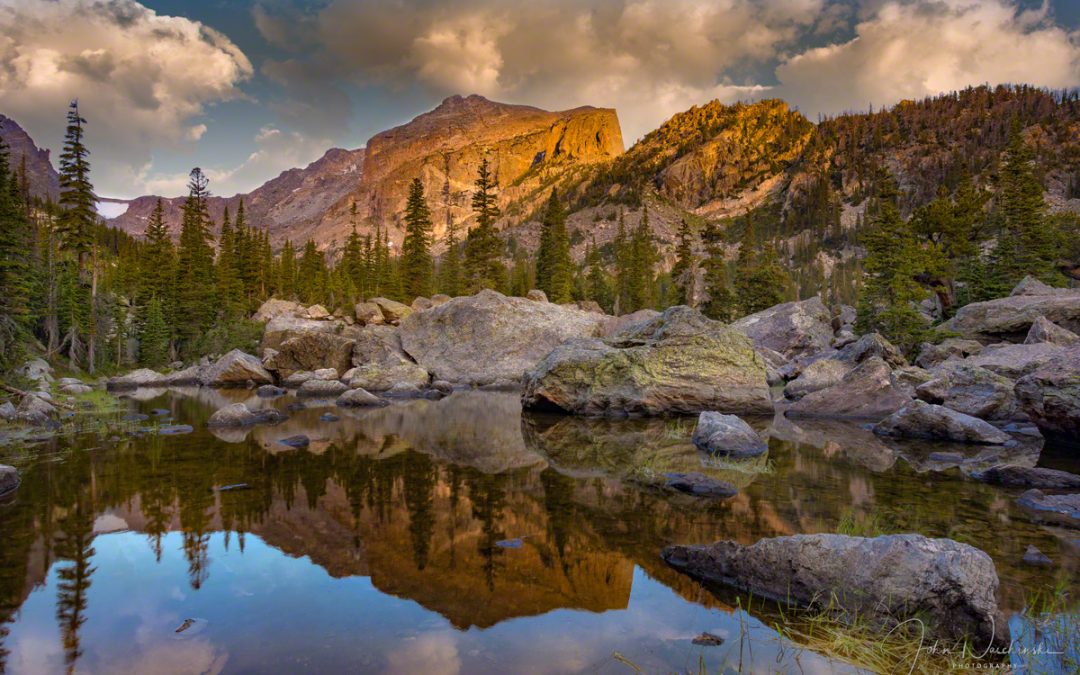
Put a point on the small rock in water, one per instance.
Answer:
(699, 485)
(269, 391)
(328, 417)
(158, 412)
(708, 640)
(135, 417)
(1033, 556)
(300, 441)
(946, 457)
(9, 479)
(175, 429)
(295, 406)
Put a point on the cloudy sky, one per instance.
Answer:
(248, 88)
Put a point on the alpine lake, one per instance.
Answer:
(453, 536)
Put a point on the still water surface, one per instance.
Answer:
(443, 537)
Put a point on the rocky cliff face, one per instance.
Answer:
(41, 177)
(525, 146)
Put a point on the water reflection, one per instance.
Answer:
(454, 531)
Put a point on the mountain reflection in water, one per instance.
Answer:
(383, 546)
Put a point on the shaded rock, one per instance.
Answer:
(369, 314)
(359, 398)
(868, 392)
(1051, 395)
(296, 379)
(792, 329)
(442, 386)
(681, 362)
(844, 338)
(36, 370)
(322, 388)
(1016, 361)
(239, 415)
(1061, 509)
(286, 327)
(909, 378)
(888, 579)
(870, 345)
(312, 351)
(420, 304)
(236, 369)
(972, 390)
(269, 391)
(919, 419)
(393, 312)
(1035, 557)
(590, 306)
(75, 389)
(1028, 477)
(817, 376)
(317, 312)
(614, 325)
(9, 479)
(273, 308)
(719, 434)
(1009, 319)
(184, 377)
(536, 295)
(843, 315)
(951, 348)
(298, 441)
(7, 411)
(486, 337)
(1043, 330)
(699, 485)
(142, 377)
(774, 364)
(36, 411)
(381, 363)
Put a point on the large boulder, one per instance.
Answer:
(1044, 330)
(1051, 395)
(312, 351)
(727, 435)
(7, 411)
(487, 337)
(1009, 319)
(870, 345)
(393, 312)
(36, 411)
(680, 362)
(239, 415)
(793, 328)
(141, 377)
(1015, 361)
(613, 325)
(381, 363)
(184, 377)
(950, 586)
(972, 390)
(919, 419)
(235, 369)
(817, 376)
(288, 326)
(369, 314)
(869, 392)
(9, 479)
(952, 348)
(273, 308)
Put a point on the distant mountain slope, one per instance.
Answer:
(41, 176)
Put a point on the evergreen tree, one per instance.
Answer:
(683, 270)
(230, 289)
(76, 223)
(760, 280)
(641, 266)
(623, 259)
(417, 267)
(158, 261)
(597, 284)
(352, 258)
(311, 275)
(286, 276)
(722, 301)
(16, 274)
(483, 265)
(195, 307)
(154, 336)
(554, 267)
(887, 302)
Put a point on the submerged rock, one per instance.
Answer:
(1028, 477)
(323, 388)
(298, 441)
(357, 398)
(487, 337)
(269, 391)
(728, 435)
(680, 362)
(236, 369)
(1033, 556)
(868, 392)
(951, 586)
(919, 419)
(792, 329)
(697, 484)
(1063, 509)
(239, 415)
(9, 479)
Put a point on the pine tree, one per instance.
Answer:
(483, 264)
(722, 301)
(352, 258)
(683, 269)
(554, 267)
(597, 285)
(230, 289)
(286, 276)
(154, 336)
(417, 267)
(76, 223)
(760, 280)
(195, 305)
(642, 259)
(623, 255)
(311, 275)
(158, 261)
(16, 275)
